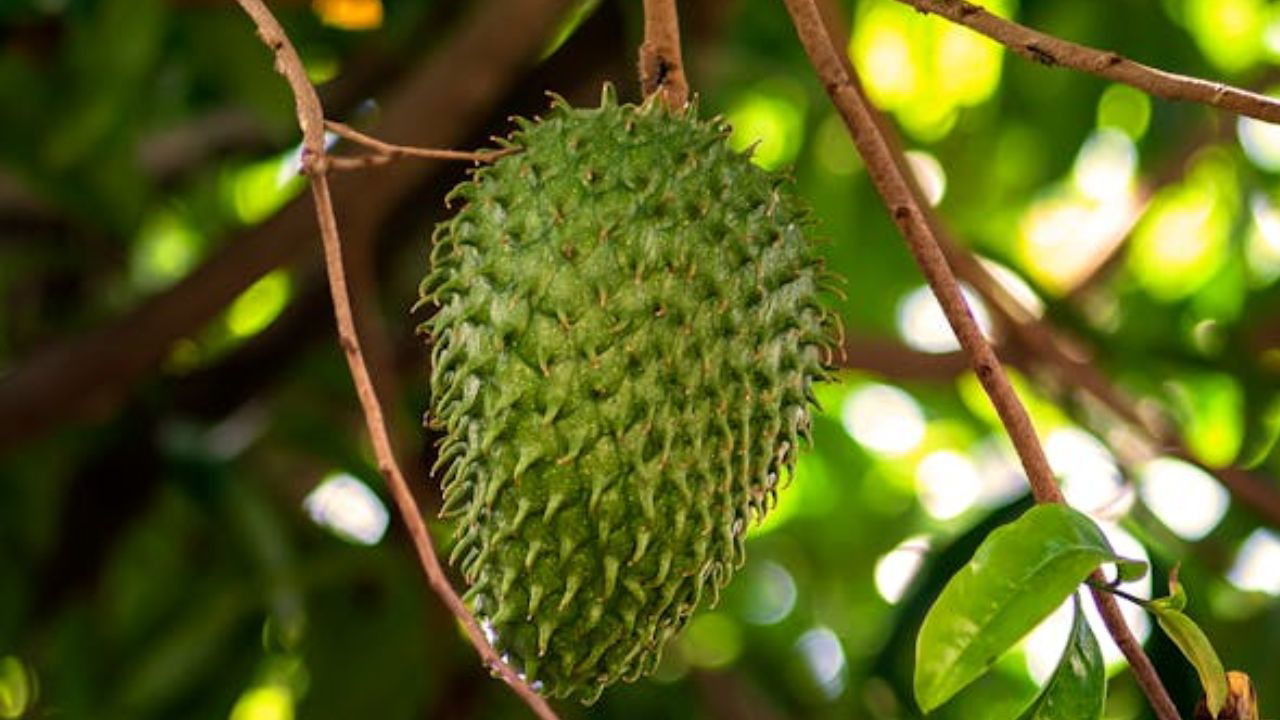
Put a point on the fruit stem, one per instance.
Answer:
(661, 65)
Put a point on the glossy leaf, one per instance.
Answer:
(1020, 574)
(1130, 570)
(1194, 644)
(1077, 690)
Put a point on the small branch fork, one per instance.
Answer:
(887, 172)
(316, 164)
(661, 65)
(384, 152)
(1049, 50)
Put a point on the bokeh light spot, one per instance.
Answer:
(1015, 285)
(1183, 496)
(882, 40)
(17, 688)
(1262, 248)
(824, 657)
(1125, 109)
(349, 14)
(1091, 481)
(1260, 142)
(1105, 165)
(923, 326)
(1228, 32)
(929, 173)
(769, 119)
(1213, 408)
(922, 68)
(883, 419)
(347, 508)
(256, 191)
(896, 569)
(1181, 241)
(948, 484)
(1064, 237)
(266, 702)
(258, 307)
(772, 594)
(1257, 564)
(166, 248)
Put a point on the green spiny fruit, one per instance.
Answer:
(628, 327)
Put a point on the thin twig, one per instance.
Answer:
(903, 200)
(385, 152)
(1109, 588)
(315, 165)
(1049, 50)
(661, 65)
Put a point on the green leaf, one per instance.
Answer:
(1193, 643)
(1077, 690)
(1020, 574)
(1128, 571)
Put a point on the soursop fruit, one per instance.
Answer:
(628, 327)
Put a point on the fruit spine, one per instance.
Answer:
(628, 328)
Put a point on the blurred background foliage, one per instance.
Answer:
(211, 539)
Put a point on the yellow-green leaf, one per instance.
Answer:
(1193, 643)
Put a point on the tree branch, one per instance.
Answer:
(384, 152)
(661, 65)
(886, 170)
(1047, 344)
(86, 376)
(894, 188)
(1049, 50)
(314, 164)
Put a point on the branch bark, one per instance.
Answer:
(1049, 50)
(88, 375)
(661, 64)
(315, 165)
(885, 167)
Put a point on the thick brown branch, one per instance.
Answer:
(311, 121)
(886, 168)
(895, 189)
(661, 64)
(1049, 50)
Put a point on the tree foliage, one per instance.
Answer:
(191, 520)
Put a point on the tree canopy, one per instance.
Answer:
(193, 523)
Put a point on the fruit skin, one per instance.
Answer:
(629, 324)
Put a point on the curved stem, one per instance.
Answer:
(316, 164)
(1106, 587)
(886, 168)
